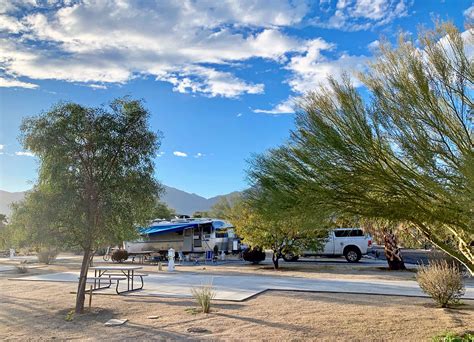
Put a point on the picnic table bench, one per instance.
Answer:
(107, 274)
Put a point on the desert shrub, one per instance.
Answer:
(442, 281)
(439, 255)
(204, 295)
(47, 256)
(453, 337)
(22, 268)
(254, 255)
(120, 255)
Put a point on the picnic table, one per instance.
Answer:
(107, 274)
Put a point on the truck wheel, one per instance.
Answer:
(290, 257)
(352, 254)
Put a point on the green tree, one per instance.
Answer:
(405, 156)
(162, 211)
(200, 214)
(95, 174)
(285, 237)
(224, 205)
(4, 231)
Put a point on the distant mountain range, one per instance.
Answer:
(181, 201)
(185, 203)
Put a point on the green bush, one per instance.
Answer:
(254, 255)
(442, 281)
(120, 255)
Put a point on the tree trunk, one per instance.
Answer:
(81, 287)
(275, 258)
(392, 253)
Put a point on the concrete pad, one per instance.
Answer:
(115, 322)
(4, 268)
(241, 287)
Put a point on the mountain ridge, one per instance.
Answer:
(181, 201)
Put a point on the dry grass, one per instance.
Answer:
(204, 296)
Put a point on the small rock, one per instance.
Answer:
(198, 330)
(115, 322)
(153, 317)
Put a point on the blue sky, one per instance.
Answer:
(219, 77)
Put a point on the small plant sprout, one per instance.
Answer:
(204, 295)
(69, 316)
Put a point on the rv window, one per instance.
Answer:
(221, 235)
(206, 229)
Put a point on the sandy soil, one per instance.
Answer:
(37, 310)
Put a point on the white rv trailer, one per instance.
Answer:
(187, 235)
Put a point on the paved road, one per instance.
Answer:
(410, 256)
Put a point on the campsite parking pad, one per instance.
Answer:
(242, 287)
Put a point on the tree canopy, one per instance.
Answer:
(284, 236)
(162, 211)
(95, 181)
(402, 153)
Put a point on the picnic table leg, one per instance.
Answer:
(90, 298)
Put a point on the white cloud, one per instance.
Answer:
(312, 69)
(354, 15)
(160, 154)
(10, 24)
(180, 154)
(199, 155)
(209, 82)
(285, 107)
(11, 82)
(181, 42)
(469, 13)
(374, 46)
(97, 86)
(239, 115)
(2, 147)
(24, 153)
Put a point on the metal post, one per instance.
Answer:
(90, 298)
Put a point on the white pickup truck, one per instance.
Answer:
(350, 242)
